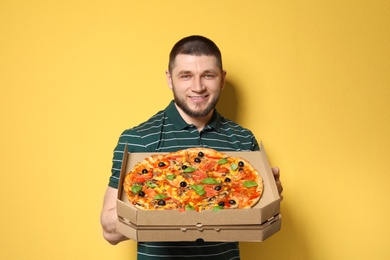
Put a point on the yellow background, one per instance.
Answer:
(310, 78)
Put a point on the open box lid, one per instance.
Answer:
(267, 208)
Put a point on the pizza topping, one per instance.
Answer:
(171, 177)
(189, 207)
(210, 181)
(193, 179)
(198, 175)
(135, 189)
(189, 169)
(199, 189)
(233, 166)
(161, 202)
(250, 184)
(160, 197)
(223, 161)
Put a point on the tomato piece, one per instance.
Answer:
(143, 177)
(139, 178)
(148, 176)
(210, 191)
(222, 169)
(198, 175)
(151, 193)
(210, 156)
(209, 166)
(254, 196)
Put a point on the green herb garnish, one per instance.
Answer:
(233, 166)
(136, 188)
(210, 181)
(189, 207)
(189, 169)
(160, 197)
(171, 177)
(199, 189)
(250, 184)
(151, 184)
(223, 161)
(217, 208)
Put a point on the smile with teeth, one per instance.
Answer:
(198, 98)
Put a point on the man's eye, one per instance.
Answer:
(185, 76)
(209, 76)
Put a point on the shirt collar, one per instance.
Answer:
(178, 122)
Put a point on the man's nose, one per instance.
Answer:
(198, 85)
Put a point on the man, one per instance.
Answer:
(196, 77)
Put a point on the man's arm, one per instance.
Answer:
(109, 218)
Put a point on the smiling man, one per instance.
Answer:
(196, 77)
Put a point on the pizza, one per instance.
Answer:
(193, 179)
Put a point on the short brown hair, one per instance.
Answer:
(195, 45)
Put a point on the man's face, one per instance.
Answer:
(196, 82)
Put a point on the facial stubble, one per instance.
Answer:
(197, 114)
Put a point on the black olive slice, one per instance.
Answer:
(221, 204)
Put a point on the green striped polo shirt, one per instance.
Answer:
(166, 131)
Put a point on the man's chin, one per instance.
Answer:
(198, 113)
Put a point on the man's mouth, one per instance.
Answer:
(198, 98)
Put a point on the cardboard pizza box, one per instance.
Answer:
(250, 225)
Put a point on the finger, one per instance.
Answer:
(276, 172)
(280, 186)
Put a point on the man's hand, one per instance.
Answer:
(276, 172)
(108, 218)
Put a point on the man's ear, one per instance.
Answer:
(223, 79)
(169, 79)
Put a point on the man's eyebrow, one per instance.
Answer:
(210, 71)
(184, 72)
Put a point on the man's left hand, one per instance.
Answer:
(276, 172)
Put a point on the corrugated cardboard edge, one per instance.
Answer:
(250, 233)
